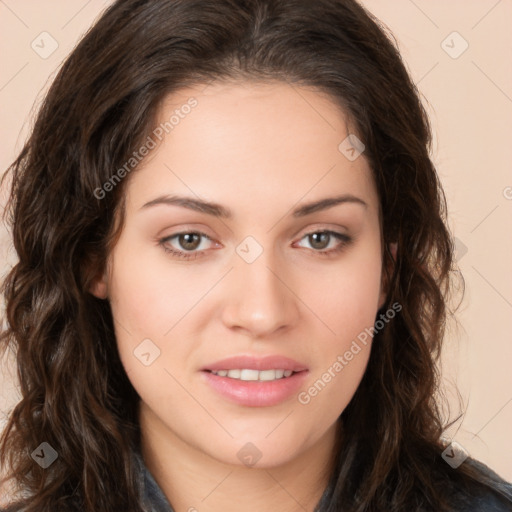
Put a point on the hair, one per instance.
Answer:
(100, 108)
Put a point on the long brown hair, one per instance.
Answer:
(103, 103)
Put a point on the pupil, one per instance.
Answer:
(189, 241)
(319, 240)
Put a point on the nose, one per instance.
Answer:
(259, 298)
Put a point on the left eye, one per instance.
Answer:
(190, 242)
(321, 240)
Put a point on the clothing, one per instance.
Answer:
(488, 501)
(155, 500)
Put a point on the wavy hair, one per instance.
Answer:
(99, 109)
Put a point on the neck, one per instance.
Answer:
(193, 481)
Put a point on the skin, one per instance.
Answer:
(260, 150)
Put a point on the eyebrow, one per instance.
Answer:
(217, 210)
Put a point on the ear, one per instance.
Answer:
(99, 287)
(384, 284)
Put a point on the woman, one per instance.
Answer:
(233, 272)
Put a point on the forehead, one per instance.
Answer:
(250, 140)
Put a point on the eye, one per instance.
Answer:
(321, 240)
(190, 244)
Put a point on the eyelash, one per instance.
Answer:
(188, 255)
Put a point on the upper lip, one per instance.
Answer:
(271, 362)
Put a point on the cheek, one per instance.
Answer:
(331, 389)
(346, 301)
(345, 295)
(341, 352)
(148, 295)
(152, 307)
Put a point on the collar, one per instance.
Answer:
(153, 498)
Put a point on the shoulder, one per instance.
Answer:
(489, 501)
(481, 498)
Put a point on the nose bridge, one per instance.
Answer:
(258, 301)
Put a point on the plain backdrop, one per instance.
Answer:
(458, 53)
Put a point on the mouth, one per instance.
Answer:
(252, 388)
(248, 364)
(255, 382)
(247, 374)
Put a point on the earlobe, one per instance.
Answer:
(99, 287)
(96, 277)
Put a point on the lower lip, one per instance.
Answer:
(255, 393)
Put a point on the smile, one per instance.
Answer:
(248, 374)
(255, 388)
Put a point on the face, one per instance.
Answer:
(251, 245)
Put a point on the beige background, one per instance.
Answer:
(470, 103)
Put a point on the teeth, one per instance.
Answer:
(246, 374)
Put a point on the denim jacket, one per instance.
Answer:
(155, 500)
